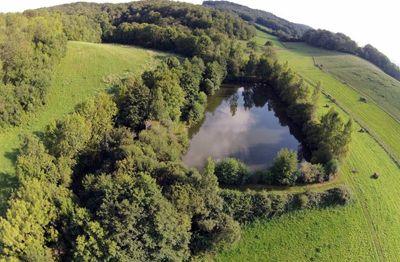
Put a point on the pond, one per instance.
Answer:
(248, 123)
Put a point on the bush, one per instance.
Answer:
(331, 169)
(340, 195)
(258, 177)
(310, 173)
(231, 171)
(283, 170)
(251, 205)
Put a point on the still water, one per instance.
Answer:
(247, 123)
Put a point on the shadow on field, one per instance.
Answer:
(7, 182)
(12, 155)
(39, 134)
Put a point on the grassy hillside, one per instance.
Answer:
(82, 73)
(300, 57)
(366, 230)
(365, 77)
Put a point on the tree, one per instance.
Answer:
(213, 77)
(99, 112)
(335, 137)
(232, 171)
(284, 168)
(69, 137)
(34, 161)
(133, 100)
(135, 215)
(253, 45)
(251, 65)
(29, 223)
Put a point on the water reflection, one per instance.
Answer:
(247, 123)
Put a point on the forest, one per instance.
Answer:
(106, 183)
(284, 29)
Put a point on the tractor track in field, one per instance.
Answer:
(369, 220)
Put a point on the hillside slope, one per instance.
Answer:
(278, 25)
(81, 74)
(366, 230)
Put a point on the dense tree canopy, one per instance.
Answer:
(281, 26)
(30, 45)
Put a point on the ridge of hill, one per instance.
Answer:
(280, 26)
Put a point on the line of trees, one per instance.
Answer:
(328, 138)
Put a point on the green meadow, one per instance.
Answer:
(86, 70)
(365, 77)
(374, 118)
(367, 229)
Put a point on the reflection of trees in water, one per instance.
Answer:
(255, 95)
(259, 96)
(233, 103)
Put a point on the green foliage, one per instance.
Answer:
(135, 215)
(133, 99)
(279, 25)
(231, 171)
(283, 170)
(99, 112)
(310, 173)
(213, 77)
(70, 136)
(29, 49)
(34, 162)
(332, 168)
(168, 144)
(250, 205)
(335, 137)
(29, 223)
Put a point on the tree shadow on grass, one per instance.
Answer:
(8, 182)
(12, 155)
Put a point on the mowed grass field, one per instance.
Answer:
(365, 78)
(300, 58)
(366, 230)
(80, 75)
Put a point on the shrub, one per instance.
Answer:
(310, 173)
(339, 195)
(258, 177)
(303, 201)
(331, 169)
(283, 170)
(231, 171)
(251, 205)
